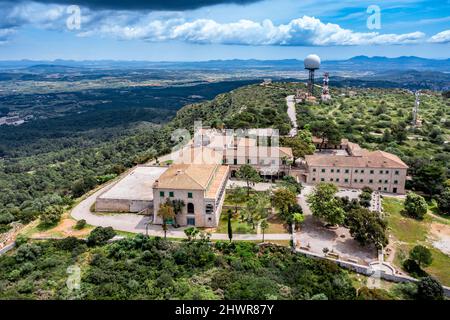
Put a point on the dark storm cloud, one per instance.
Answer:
(166, 5)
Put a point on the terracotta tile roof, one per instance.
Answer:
(187, 177)
(374, 159)
(217, 182)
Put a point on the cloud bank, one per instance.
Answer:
(304, 31)
(152, 27)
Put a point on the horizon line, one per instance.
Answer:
(211, 60)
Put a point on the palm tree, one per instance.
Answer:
(166, 212)
(249, 174)
(256, 208)
(191, 233)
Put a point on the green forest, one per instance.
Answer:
(153, 268)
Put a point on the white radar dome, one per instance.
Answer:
(312, 62)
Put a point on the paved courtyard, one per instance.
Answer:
(316, 237)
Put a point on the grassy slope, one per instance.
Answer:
(408, 232)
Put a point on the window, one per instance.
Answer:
(314, 170)
(381, 171)
(387, 172)
(362, 171)
(385, 189)
(371, 171)
(322, 179)
(171, 194)
(161, 193)
(361, 180)
(355, 180)
(356, 171)
(385, 181)
(370, 180)
(397, 172)
(395, 182)
(323, 170)
(235, 161)
(337, 179)
(332, 170)
(331, 179)
(190, 208)
(249, 161)
(191, 221)
(380, 181)
(338, 170)
(209, 208)
(345, 180)
(379, 188)
(346, 171)
(190, 195)
(313, 179)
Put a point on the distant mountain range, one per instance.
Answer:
(358, 63)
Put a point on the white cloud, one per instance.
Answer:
(5, 35)
(441, 37)
(304, 31)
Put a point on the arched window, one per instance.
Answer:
(209, 208)
(190, 208)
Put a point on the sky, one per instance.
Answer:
(183, 30)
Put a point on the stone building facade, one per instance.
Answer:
(200, 186)
(379, 170)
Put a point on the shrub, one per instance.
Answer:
(429, 289)
(406, 290)
(80, 224)
(21, 239)
(100, 236)
(69, 243)
(6, 217)
(366, 293)
(413, 268)
(444, 201)
(415, 206)
(51, 215)
(28, 252)
(421, 255)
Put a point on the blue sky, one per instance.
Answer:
(270, 29)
